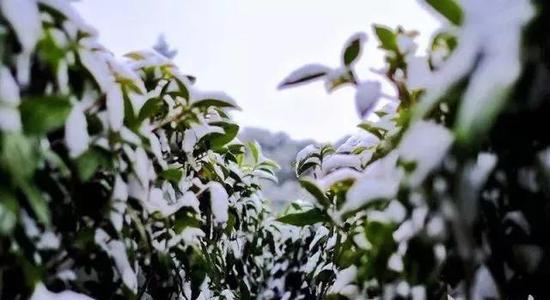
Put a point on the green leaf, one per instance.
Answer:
(37, 203)
(9, 210)
(352, 49)
(44, 114)
(368, 126)
(19, 157)
(450, 9)
(217, 140)
(255, 150)
(88, 163)
(173, 175)
(387, 37)
(315, 191)
(150, 108)
(305, 218)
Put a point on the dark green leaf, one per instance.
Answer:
(88, 163)
(450, 9)
(352, 49)
(37, 203)
(173, 175)
(44, 114)
(315, 191)
(305, 218)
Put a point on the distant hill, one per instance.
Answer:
(280, 147)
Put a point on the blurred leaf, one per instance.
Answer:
(150, 108)
(88, 163)
(304, 74)
(9, 209)
(315, 191)
(352, 49)
(37, 203)
(305, 218)
(173, 175)
(450, 9)
(44, 114)
(19, 157)
(387, 37)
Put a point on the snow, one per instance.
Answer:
(48, 240)
(194, 134)
(336, 161)
(219, 202)
(77, 138)
(115, 107)
(426, 144)
(119, 197)
(406, 44)
(419, 74)
(320, 233)
(117, 251)
(9, 90)
(484, 286)
(70, 13)
(306, 71)
(10, 119)
(96, 63)
(367, 94)
(338, 176)
(357, 141)
(485, 164)
(307, 151)
(396, 211)
(493, 72)
(395, 263)
(380, 180)
(189, 199)
(24, 17)
(42, 293)
(342, 285)
(198, 96)
(142, 166)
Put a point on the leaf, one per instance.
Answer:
(255, 150)
(9, 209)
(150, 108)
(217, 140)
(315, 191)
(88, 163)
(378, 132)
(19, 157)
(450, 9)
(44, 114)
(387, 38)
(352, 49)
(172, 174)
(37, 203)
(305, 74)
(305, 218)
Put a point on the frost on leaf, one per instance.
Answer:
(305, 74)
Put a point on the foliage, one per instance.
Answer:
(119, 179)
(445, 194)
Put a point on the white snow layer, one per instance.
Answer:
(425, 144)
(219, 202)
(77, 138)
(42, 293)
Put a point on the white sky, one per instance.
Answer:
(246, 47)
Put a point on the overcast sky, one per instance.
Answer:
(246, 47)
